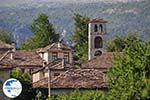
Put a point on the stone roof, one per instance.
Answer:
(76, 78)
(4, 48)
(59, 46)
(3, 53)
(104, 61)
(57, 64)
(98, 20)
(80, 78)
(21, 58)
(4, 45)
(54, 65)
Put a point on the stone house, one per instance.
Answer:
(90, 76)
(4, 72)
(68, 81)
(58, 57)
(25, 60)
(56, 50)
(11, 58)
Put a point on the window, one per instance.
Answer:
(98, 53)
(101, 28)
(98, 43)
(42, 54)
(66, 57)
(54, 55)
(95, 28)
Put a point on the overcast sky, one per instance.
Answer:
(16, 2)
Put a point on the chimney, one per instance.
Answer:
(11, 55)
(14, 46)
(59, 44)
(13, 50)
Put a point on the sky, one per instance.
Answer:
(16, 2)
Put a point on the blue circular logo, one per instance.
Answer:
(12, 88)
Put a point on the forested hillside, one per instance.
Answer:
(121, 17)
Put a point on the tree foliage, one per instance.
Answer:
(43, 33)
(117, 43)
(5, 36)
(81, 95)
(41, 93)
(25, 79)
(80, 37)
(129, 78)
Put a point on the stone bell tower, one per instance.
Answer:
(96, 30)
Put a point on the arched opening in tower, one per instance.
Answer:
(98, 42)
(101, 27)
(95, 28)
(98, 53)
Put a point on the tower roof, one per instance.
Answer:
(98, 20)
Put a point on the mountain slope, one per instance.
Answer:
(121, 17)
(17, 2)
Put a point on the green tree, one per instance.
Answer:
(80, 37)
(129, 78)
(43, 34)
(25, 79)
(118, 43)
(5, 36)
(41, 93)
(81, 95)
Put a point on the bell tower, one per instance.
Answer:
(96, 30)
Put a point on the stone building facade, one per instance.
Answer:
(96, 30)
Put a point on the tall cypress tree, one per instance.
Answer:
(80, 37)
(43, 33)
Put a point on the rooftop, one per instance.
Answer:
(104, 61)
(76, 78)
(55, 47)
(57, 64)
(21, 58)
(98, 20)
